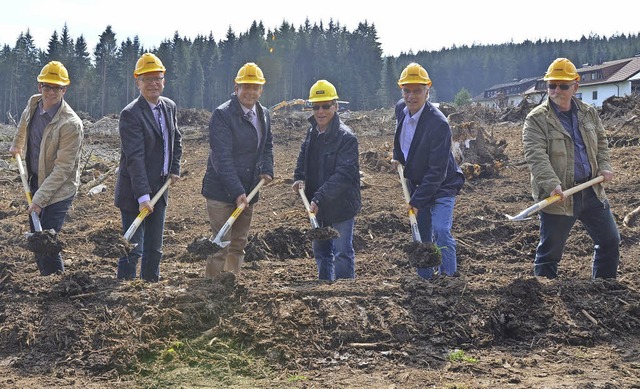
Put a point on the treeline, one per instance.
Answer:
(200, 71)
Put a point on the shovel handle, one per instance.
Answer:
(407, 197)
(552, 199)
(23, 178)
(145, 212)
(227, 225)
(307, 206)
(403, 181)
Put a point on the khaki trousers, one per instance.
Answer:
(231, 257)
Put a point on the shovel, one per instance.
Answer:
(145, 212)
(415, 233)
(420, 254)
(27, 191)
(39, 242)
(525, 215)
(227, 225)
(317, 232)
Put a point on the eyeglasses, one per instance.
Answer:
(324, 106)
(561, 86)
(49, 88)
(149, 80)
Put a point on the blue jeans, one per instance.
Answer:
(596, 218)
(434, 224)
(149, 245)
(52, 217)
(336, 257)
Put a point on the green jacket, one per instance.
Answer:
(58, 165)
(549, 152)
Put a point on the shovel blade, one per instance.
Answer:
(219, 242)
(520, 217)
(415, 233)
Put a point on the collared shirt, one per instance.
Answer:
(253, 117)
(159, 115)
(39, 121)
(569, 120)
(409, 125)
(162, 123)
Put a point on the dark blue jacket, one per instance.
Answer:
(338, 197)
(236, 160)
(142, 152)
(431, 168)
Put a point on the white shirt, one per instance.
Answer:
(409, 125)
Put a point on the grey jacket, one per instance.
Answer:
(549, 152)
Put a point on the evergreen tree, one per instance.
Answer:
(106, 55)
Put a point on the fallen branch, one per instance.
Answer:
(591, 318)
(631, 218)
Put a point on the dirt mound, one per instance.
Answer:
(422, 255)
(192, 117)
(279, 243)
(109, 243)
(45, 242)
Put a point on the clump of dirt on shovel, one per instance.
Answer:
(423, 255)
(322, 233)
(110, 243)
(45, 242)
(203, 247)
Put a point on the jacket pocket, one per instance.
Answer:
(557, 147)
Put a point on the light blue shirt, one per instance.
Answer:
(409, 125)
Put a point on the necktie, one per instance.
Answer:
(165, 139)
(251, 116)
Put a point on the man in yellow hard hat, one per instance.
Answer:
(328, 168)
(150, 152)
(565, 145)
(241, 155)
(422, 144)
(50, 137)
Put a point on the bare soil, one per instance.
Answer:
(275, 325)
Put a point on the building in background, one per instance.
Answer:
(597, 83)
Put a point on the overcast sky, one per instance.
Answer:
(402, 26)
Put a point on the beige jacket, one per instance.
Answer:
(60, 150)
(549, 152)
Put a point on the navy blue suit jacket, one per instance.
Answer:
(431, 169)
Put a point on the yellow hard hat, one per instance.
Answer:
(148, 63)
(54, 73)
(414, 74)
(563, 70)
(322, 90)
(250, 73)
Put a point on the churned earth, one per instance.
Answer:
(276, 326)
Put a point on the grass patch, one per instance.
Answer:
(460, 356)
(216, 361)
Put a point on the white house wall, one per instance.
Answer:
(604, 92)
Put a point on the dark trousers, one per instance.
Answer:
(597, 219)
(148, 238)
(52, 217)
